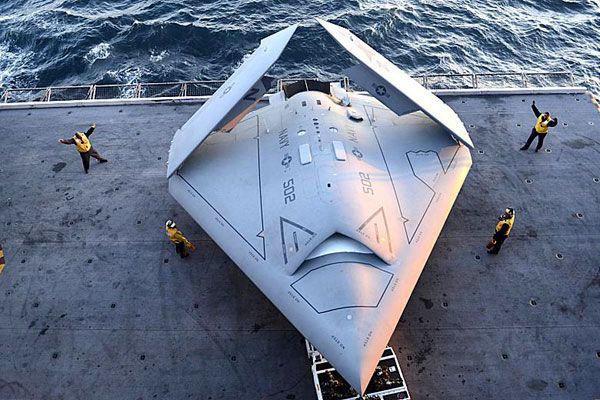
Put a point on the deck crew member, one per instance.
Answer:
(543, 123)
(180, 241)
(503, 228)
(84, 147)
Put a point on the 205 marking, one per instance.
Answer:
(365, 181)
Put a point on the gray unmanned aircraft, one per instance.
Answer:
(329, 200)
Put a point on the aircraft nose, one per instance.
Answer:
(362, 374)
(357, 363)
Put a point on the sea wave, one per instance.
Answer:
(57, 42)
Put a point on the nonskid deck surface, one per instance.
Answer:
(94, 302)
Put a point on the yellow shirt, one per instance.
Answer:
(83, 145)
(541, 125)
(176, 236)
(508, 222)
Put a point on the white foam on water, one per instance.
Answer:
(157, 57)
(99, 52)
(14, 63)
(128, 75)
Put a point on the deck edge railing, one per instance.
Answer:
(485, 80)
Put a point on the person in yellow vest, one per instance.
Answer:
(543, 123)
(84, 147)
(503, 228)
(181, 243)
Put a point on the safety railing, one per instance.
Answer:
(106, 92)
(208, 87)
(496, 80)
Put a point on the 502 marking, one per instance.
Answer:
(288, 191)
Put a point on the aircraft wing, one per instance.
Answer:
(392, 86)
(237, 94)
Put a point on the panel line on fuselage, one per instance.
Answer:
(391, 274)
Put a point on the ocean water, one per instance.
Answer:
(70, 42)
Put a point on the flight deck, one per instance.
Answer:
(94, 302)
